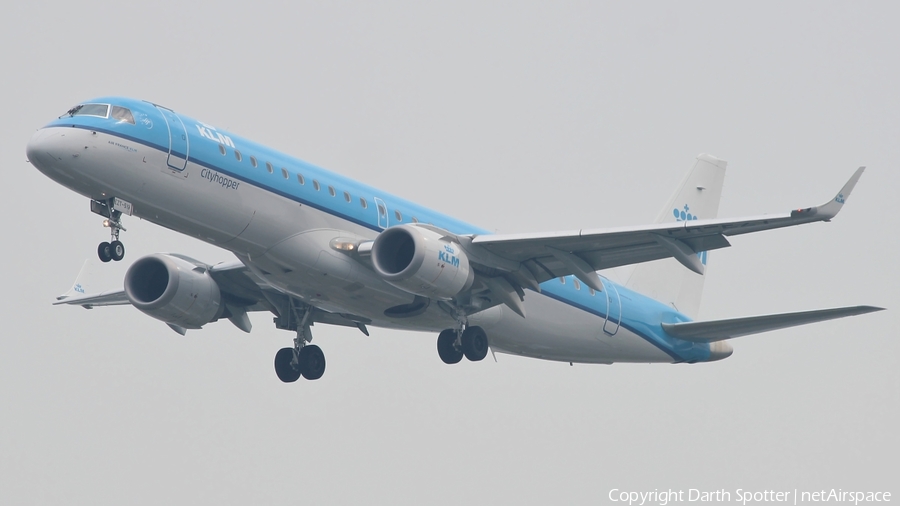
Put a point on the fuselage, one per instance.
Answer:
(279, 216)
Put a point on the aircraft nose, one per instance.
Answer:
(719, 350)
(37, 151)
(45, 149)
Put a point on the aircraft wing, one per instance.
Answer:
(233, 279)
(242, 292)
(535, 258)
(719, 330)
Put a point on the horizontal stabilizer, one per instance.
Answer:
(107, 298)
(78, 295)
(719, 330)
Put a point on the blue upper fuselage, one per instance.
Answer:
(232, 160)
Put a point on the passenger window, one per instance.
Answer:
(347, 196)
(415, 220)
(381, 210)
(331, 191)
(562, 280)
(577, 284)
(593, 292)
(316, 185)
(269, 167)
(237, 154)
(398, 215)
(253, 161)
(363, 203)
(284, 173)
(122, 114)
(300, 179)
(222, 149)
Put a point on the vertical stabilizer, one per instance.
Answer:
(697, 197)
(80, 286)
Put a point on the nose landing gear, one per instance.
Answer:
(114, 249)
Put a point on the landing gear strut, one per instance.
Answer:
(114, 249)
(303, 359)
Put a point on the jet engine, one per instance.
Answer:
(420, 261)
(173, 290)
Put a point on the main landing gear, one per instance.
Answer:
(303, 359)
(291, 363)
(453, 344)
(114, 249)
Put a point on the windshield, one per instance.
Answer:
(100, 110)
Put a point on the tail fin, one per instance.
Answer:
(82, 294)
(79, 287)
(697, 197)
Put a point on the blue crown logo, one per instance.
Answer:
(840, 198)
(683, 214)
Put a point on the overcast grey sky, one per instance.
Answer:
(514, 116)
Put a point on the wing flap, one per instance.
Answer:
(720, 330)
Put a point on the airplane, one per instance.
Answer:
(313, 246)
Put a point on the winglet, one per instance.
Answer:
(831, 208)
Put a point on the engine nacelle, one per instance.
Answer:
(173, 290)
(420, 261)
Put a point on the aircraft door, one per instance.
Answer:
(178, 140)
(382, 211)
(613, 307)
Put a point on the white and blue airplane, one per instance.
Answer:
(313, 247)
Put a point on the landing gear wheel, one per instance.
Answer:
(312, 362)
(116, 250)
(474, 343)
(283, 368)
(446, 346)
(104, 251)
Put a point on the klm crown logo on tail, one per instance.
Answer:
(840, 198)
(685, 215)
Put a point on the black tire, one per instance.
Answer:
(446, 346)
(475, 343)
(312, 362)
(116, 250)
(283, 368)
(104, 251)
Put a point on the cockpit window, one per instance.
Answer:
(100, 110)
(122, 114)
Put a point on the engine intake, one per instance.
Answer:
(173, 290)
(421, 262)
